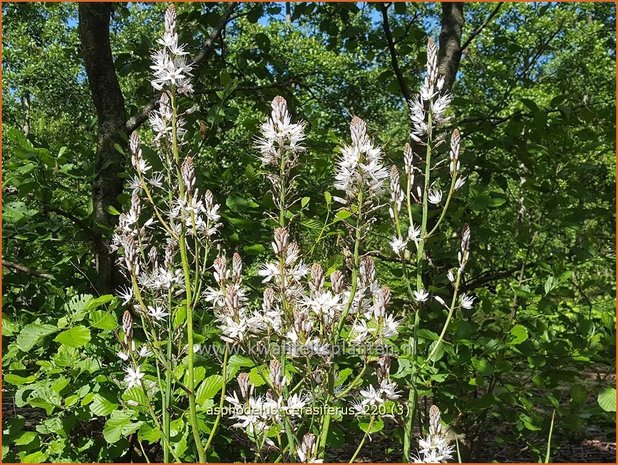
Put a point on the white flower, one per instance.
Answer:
(435, 447)
(450, 276)
(434, 196)
(414, 233)
(460, 182)
(307, 450)
(144, 352)
(269, 271)
(126, 294)
(295, 404)
(398, 245)
(389, 389)
(371, 396)
(123, 356)
(467, 301)
(233, 331)
(157, 312)
(360, 167)
(134, 377)
(390, 326)
(421, 296)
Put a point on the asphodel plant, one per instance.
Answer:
(421, 186)
(164, 244)
(298, 329)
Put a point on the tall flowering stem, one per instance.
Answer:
(185, 223)
(428, 116)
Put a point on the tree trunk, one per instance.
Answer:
(94, 20)
(449, 54)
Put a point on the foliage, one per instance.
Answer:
(534, 100)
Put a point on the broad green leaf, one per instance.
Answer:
(368, 427)
(579, 394)
(103, 405)
(438, 350)
(102, 319)
(607, 399)
(259, 375)
(149, 433)
(119, 425)
(517, 335)
(482, 366)
(342, 376)
(32, 334)
(34, 457)
(77, 336)
(236, 362)
(253, 249)
(343, 215)
(208, 388)
(135, 395)
(26, 437)
(98, 301)
(19, 380)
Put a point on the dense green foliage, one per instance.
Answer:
(535, 102)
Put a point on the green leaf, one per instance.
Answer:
(25, 438)
(149, 433)
(98, 301)
(579, 394)
(607, 399)
(482, 366)
(208, 388)
(119, 425)
(35, 457)
(32, 334)
(136, 395)
(376, 426)
(18, 380)
(304, 202)
(497, 202)
(102, 319)
(253, 249)
(237, 362)
(342, 215)
(517, 335)
(103, 405)
(78, 336)
(258, 375)
(342, 376)
(439, 350)
(112, 210)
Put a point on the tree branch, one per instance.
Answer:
(142, 115)
(393, 53)
(83, 224)
(479, 29)
(24, 269)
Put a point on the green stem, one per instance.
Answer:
(344, 315)
(188, 294)
(446, 204)
(448, 318)
(168, 380)
(362, 443)
(420, 256)
(222, 400)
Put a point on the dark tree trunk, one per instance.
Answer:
(449, 54)
(94, 20)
